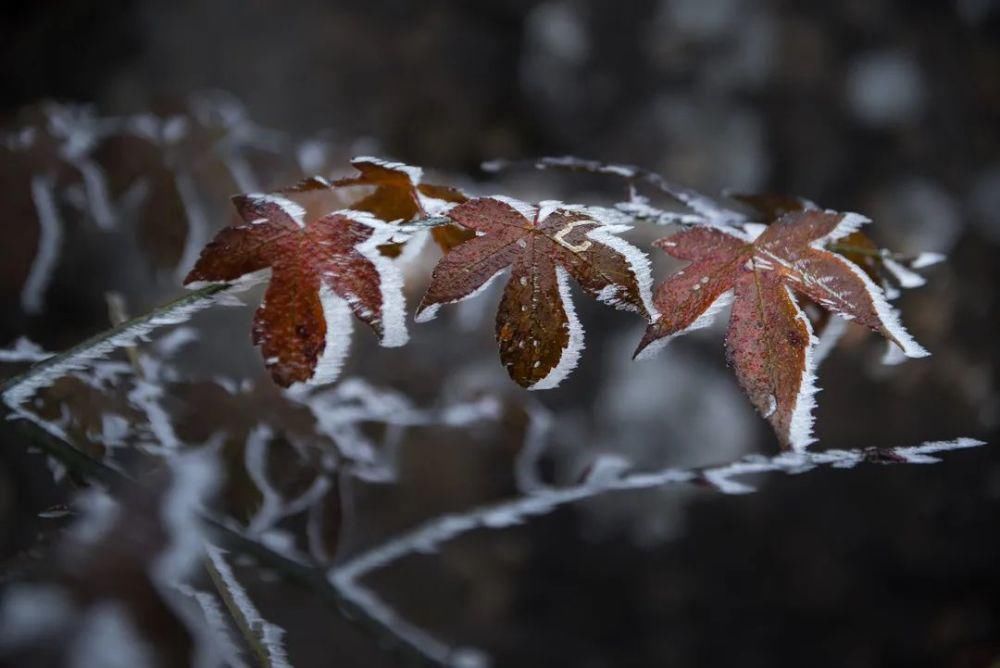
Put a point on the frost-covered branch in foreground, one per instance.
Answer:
(722, 478)
(18, 389)
(264, 637)
(707, 211)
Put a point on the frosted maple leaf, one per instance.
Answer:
(325, 265)
(769, 342)
(537, 329)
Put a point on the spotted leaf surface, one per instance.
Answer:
(537, 329)
(399, 195)
(325, 266)
(770, 341)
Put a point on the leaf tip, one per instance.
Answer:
(651, 343)
(426, 312)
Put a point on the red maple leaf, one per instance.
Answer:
(769, 341)
(324, 266)
(399, 195)
(857, 247)
(539, 335)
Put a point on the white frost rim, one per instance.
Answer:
(638, 262)
(414, 173)
(571, 353)
(394, 332)
(337, 315)
(704, 320)
(801, 423)
(430, 311)
(290, 208)
(849, 223)
(522, 207)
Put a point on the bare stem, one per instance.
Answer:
(17, 389)
(269, 651)
(703, 205)
(432, 535)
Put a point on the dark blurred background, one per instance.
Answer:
(887, 108)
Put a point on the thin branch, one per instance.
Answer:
(422, 224)
(263, 637)
(432, 535)
(16, 390)
(639, 210)
(707, 208)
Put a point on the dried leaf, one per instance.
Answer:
(770, 340)
(537, 329)
(324, 267)
(399, 195)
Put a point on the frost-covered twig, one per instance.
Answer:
(639, 209)
(262, 636)
(422, 224)
(432, 535)
(708, 210)
(18, 389)
(50, 231)
(216, 623)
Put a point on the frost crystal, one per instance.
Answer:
(269, 635)
(51, 231)
(571, 353)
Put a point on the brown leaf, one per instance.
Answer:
(399, 195)
(770, 340)
(540, 338)
(324, 267)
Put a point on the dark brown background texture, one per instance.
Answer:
(887, 108)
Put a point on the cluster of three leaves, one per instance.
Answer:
(327, 265)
